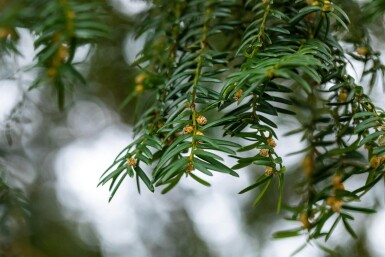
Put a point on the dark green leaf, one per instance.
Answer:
(349, 228)
(358, 209)
(261, 180)
(144, 178)
(199, 180)
(262, 193)
(208, 154)
(372, 137)
(288, 233)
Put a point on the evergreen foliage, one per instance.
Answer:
(269, 55)
(210, 68)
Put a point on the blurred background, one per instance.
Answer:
(51, 161)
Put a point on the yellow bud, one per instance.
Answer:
(62, 54)
(327, 8)
(268, 171)
(201, 120)
(238, 94)
(340, 186)
(189, 168)
(132, 162)
(308, 165)
(4, 32)
(336, 207)
(342, 96)
(375, 162)
(336, 180)
(271, 142)
(337, 184)
(52, 72)
(140, 78)
(362, 51)
(199, 133)
(264, 152)
(188, 129)
(334, 203)
(139, 88)
(304, 220)
(270, 74)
